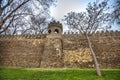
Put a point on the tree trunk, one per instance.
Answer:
(94, 57)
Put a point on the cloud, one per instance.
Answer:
(65, 6)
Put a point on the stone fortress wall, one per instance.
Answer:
(39, 51)
(105, 44)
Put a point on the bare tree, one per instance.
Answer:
(17, 26)
(116, 12)
(38, 25)
(10, 9)
(87, 23)
(7, 8)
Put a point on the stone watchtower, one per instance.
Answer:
(53, 54)
(55, 30)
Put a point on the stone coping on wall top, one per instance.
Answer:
(102, 33)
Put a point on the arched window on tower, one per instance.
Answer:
(56, 31)
(49, 31)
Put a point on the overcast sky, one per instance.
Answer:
(65, 6)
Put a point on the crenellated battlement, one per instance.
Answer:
(98, 33)
(68, 34)
(22, 36)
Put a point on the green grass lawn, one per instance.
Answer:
(57, 74)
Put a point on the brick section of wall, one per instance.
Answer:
(107, 50)
(21, 52)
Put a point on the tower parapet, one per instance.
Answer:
(55, 30)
